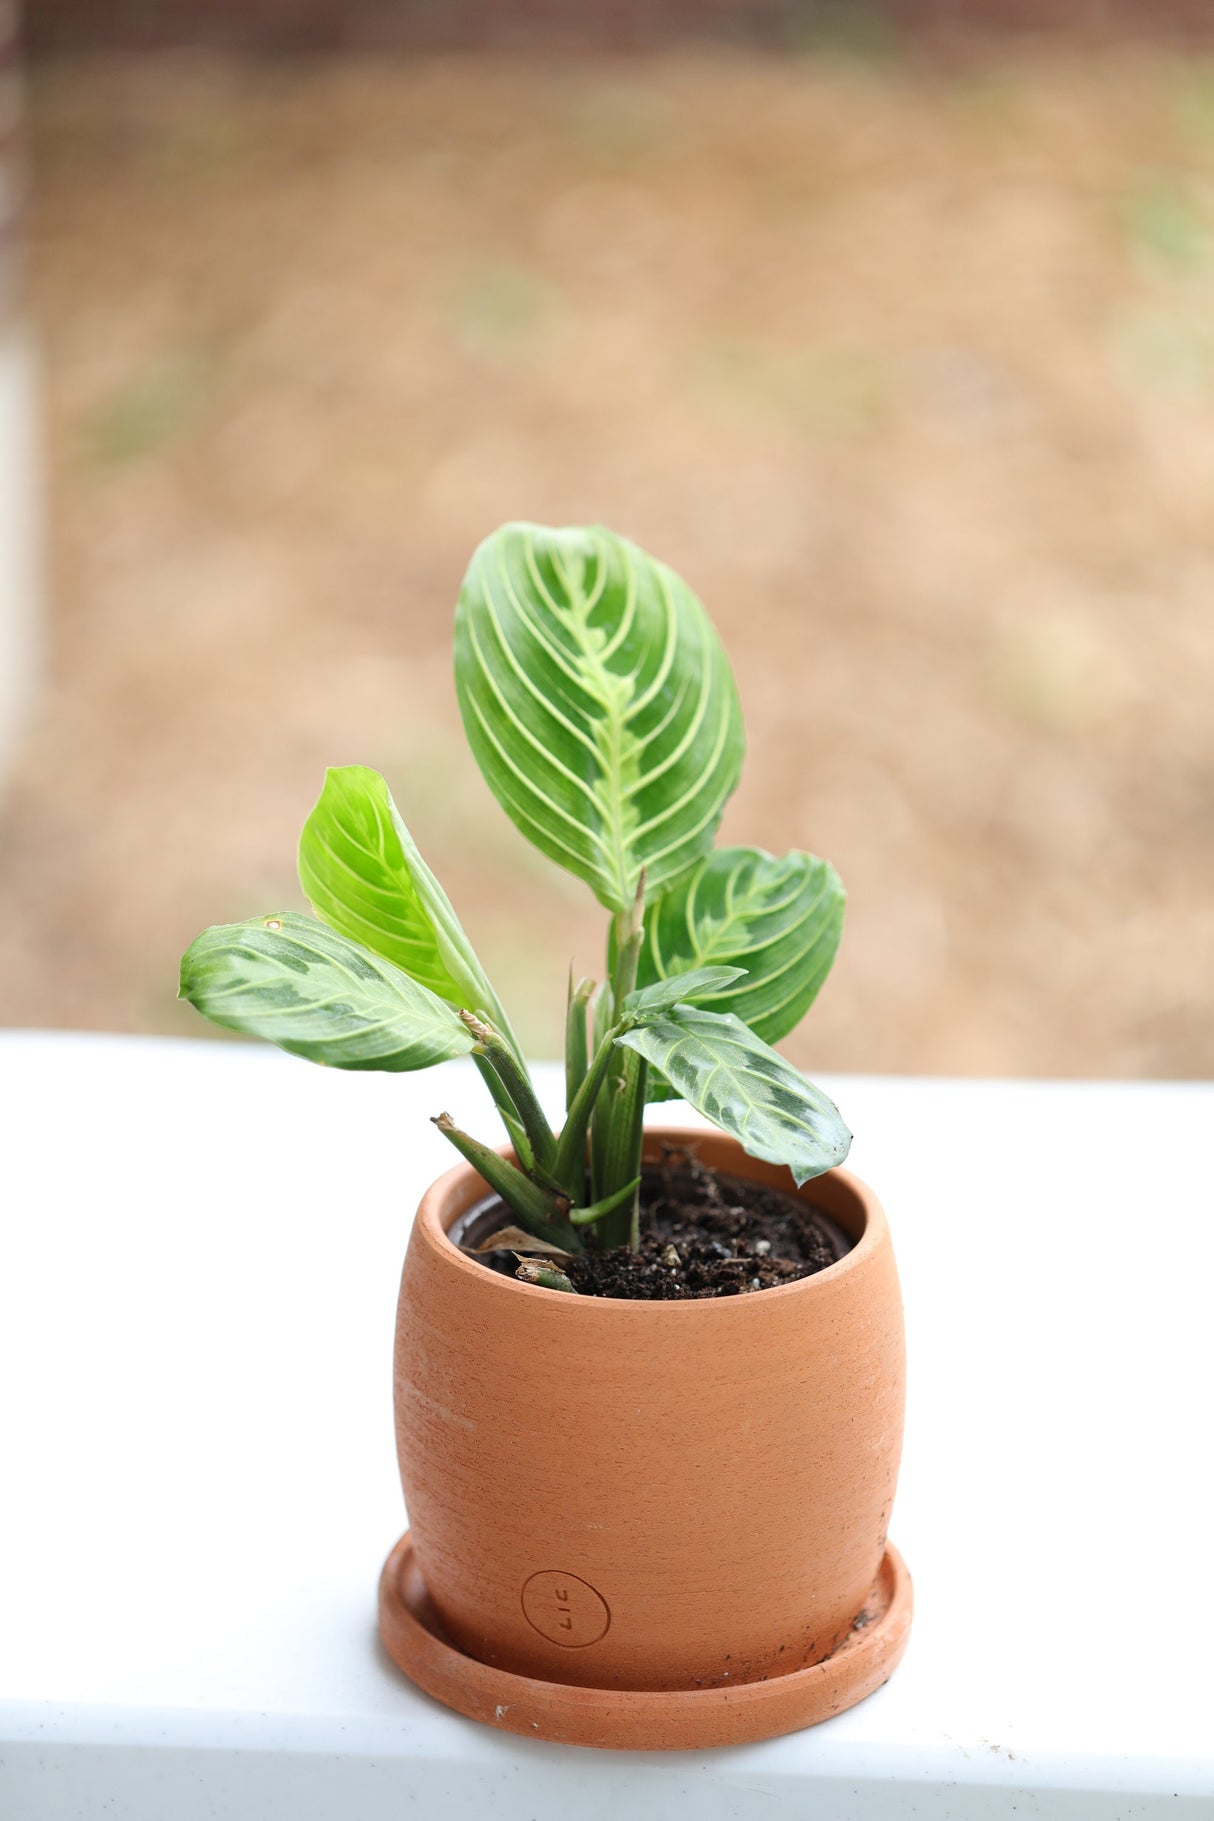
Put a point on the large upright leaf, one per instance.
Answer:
(361, 871)
(717, 1064)
(598, 702)
(302, 986)
(779, 919)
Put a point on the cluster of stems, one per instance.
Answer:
(585, 1180)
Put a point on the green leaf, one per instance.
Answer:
(298, 983)
(362, 873)
(779, 919)
(598, 702)
(721, 1068)
(680, 989)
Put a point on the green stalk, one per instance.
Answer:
(497, 1017)
(586, 1217)
(569, 1165)
(616, 1143)
(622, 1154)
(603, 1017)
(540, 1212)
(514, 1126)
(577, 1052)
(636, 1146)
(517, 1083)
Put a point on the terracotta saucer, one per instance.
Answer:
(633, 1719)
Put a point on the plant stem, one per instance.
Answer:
(602, 1019)
(586, 1217)
(577, 1051)
(539, 1210)
(622, 1155)
(569, 1165)
(497, 1017)
(636, 1147)
(616, 1139)
(515, 1131)
(629, 931)
(517, 1083)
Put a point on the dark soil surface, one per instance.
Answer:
(704, 1234)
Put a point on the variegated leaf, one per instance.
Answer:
(598, 702)
(778, 919)
(299, 984)
(718, 1065)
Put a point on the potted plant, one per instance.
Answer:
(648, 1383)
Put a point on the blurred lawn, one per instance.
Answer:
(909, 370)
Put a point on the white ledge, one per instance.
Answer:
(204, 1242)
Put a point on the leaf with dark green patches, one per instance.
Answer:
(718, 1065)
(301, 985)
(598, 702)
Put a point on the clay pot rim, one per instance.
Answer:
(441, 1190)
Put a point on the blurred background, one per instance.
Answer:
(890, 328)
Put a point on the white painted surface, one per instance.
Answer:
(202, 1245)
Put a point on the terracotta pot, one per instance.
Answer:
(686, 1501)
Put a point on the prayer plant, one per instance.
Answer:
(601, 709)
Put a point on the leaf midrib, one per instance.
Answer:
(611, 690)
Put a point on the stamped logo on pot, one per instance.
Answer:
(564, 1609)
